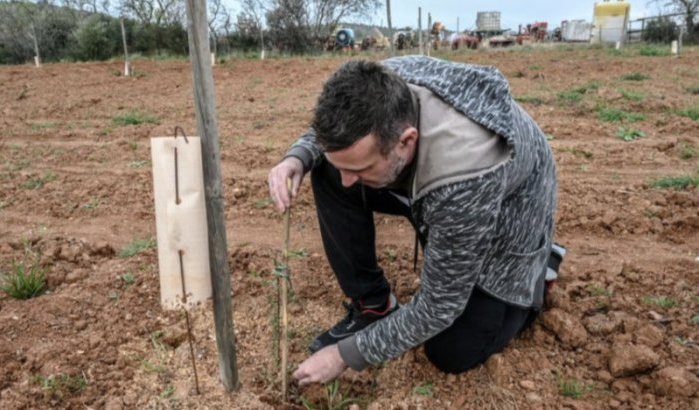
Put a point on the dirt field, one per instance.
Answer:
(76, 190)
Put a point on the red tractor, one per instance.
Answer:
(533, 33)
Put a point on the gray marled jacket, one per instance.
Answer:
(490, 229)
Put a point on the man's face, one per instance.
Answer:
(362, 162)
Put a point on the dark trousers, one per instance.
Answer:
(349, 238)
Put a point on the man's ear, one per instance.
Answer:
(408, 137)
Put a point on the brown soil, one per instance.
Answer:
(98, 339)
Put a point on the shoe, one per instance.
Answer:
(554, 263)
(358, 317)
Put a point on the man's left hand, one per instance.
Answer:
(323, 366)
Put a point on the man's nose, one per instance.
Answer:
(348, 178)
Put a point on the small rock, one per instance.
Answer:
(533, 397)
(649, 335)
(676, 381)
(528, 384)
(113, 403)
(604, 376)
(557, 298)
(174, 336)
(80, 325)
(566, 327)
(614, 404)
(354, 406)
(601, 324)
(497, 368)
(102, 249)
(629, 359)
(76, 275)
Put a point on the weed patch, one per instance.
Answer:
(693, 90)
(62, 385)
(653, 51)
(681, 182)
(632, 95)
(662, 301)
(424, 389)
(573, 388)
(691, 112)
(629, 134)
(528, 99)
(611, 114)
(136, 247)
(687, 150)
(27, 280)
(38, 182)
(334, 399)
(576, 94)
(634, 77)
(133, 117)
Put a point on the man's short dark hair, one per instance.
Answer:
(360, 98)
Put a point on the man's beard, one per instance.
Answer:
(397, 164)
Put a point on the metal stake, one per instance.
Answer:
(283, 289)
(180, 252)
(189, 327)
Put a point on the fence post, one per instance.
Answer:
(204, 101)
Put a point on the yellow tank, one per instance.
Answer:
(610, 21)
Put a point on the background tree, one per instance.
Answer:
(218, 16)
(661, 30)
(689, 8)
(161, 25)
(300, 25)
(251, 20)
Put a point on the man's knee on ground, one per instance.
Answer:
(448, 360)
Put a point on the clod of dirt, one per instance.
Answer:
(566, 327)
(174, 336)
(498, 369)
(113, 403)
(557, 298)
(602, 324)
(629, 359)
(649, 335)
(76, 275)
(676, 381)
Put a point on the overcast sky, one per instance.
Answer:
(512, 12)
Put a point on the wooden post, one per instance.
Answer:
(390, 29)
(37, 56)
(429, 33)
(204, 100)
(127, 64)
(419, 30)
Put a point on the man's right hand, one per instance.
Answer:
(290, 168)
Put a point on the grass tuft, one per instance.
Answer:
(687, 150)
(25, 281)
(529, 99)
(681, 182)
(576, 94)
(424, 389)
(62, 385)
(133, 117)
(611, 114)
(634, 77)
(654, 51)
(662, 301)
(573, 388)
(629, 134)
(136, 247)
(691, 112)
(632, 95)
(693, 90)
(38, 182)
